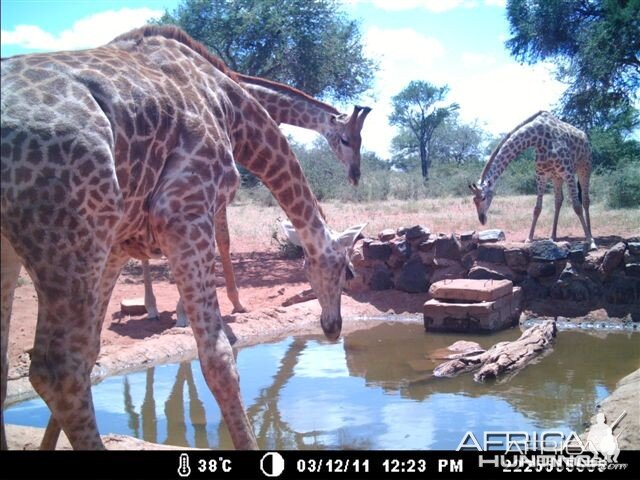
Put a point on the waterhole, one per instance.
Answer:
(371, 390)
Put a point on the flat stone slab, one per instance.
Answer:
(133, 306)
(473, 317)
(471, 290)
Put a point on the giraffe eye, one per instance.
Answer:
(344, 141)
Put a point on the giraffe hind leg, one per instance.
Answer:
(581, 212)
(195, 277)
(10, 267)
(558, 197)
(109, 277)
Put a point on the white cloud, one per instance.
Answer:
(88, 32)
(470, 59)
(506, 95)
(404, 55)
(434, 6)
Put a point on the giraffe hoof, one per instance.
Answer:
(240, 309)
(155, 318)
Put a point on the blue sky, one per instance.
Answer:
(459, 43)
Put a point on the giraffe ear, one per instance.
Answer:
(290, 232)
(348, 238)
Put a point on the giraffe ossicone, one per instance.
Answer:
(563, 154)
(127, 150)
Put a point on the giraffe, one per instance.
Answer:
(291, 106)
(127, 150)
(562, 154)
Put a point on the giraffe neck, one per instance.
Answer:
(290, 106)
(269, 157)
(526, 135)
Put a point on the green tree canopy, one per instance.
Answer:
(311, 45)
(595, 44)
(458, 142)
(419, 109)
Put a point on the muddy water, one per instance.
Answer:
(371, 390)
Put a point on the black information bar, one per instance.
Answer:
(220, 464)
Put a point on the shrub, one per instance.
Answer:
(624, 191)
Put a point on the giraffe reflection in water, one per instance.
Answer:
(173, 409)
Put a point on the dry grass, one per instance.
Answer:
(252, 226)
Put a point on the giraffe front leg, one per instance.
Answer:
(540, 186)
(559, 198)
(10, 267)
(223, 242)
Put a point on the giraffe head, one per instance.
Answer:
(482, 197)
(345, 140)
(327, 272)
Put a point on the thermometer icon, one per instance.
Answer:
(184, 470)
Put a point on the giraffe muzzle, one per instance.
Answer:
(483, 218)
(331, 326)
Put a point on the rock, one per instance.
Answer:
(573, 286)
(540, 269)
(517, 258)
(375, 250)
(427, 245)
(448, 247)
(452, 271)
(632, 269)
(357, 257)
(620, 289)
(387, 234)
(428, 258)
(493, 271)
(613, 258)
(578, 252)
(413, 278)
(492, 235)
(381, 278)
(469, 259)
(467, 236)
(492, 253)
(548, 250)
(469, 241)
(533, 289)
(473, 317)
(360, 282)
(417, 232)
(133, 306)
(634, 248)
(470, 290)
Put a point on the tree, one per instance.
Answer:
(595, 44)
(312, 46)
(457, 142)
(416, 109)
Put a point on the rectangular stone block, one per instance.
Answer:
(473, 317)
(471, 290)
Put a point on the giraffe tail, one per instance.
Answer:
(579, 192)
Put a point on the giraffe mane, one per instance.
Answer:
(271, 84)
(175, 33)
(492, 157)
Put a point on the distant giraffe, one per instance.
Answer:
(127, 150)
(562, 154)
(294, 107)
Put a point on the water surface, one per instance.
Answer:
(370, 390)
